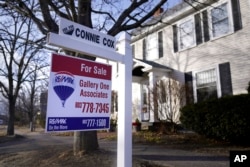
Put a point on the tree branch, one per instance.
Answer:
(49, 22)
(120, 26)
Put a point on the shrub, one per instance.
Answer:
(227, 118)
(248, 87)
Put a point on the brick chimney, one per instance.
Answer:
(158, 12)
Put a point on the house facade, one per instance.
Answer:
(202, 46)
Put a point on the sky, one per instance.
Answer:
(172, 3)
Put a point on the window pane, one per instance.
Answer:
(206, 78)
(219, 13)
(186, 34)
(206, 93)
(220, 20)
(206, 85)
(221, 28)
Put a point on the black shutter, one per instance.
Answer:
(205, 26)
(189, 88)
(236, 15)
(133, 50)
(160, 44)
(225, 79)
(198, 30)
(175, 38)
(144, 49)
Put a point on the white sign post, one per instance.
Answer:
(124, 152)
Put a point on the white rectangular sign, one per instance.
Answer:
(79, 96)
(83, 33)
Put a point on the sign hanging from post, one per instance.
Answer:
(79, 96)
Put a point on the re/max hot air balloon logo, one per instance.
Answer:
(63, 85)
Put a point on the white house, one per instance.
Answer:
(203, 45)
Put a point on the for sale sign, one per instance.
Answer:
(79, 96)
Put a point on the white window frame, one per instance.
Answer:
(230, 19)
(180, 30)
(218, 84)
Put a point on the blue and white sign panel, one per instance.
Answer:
(79, 96)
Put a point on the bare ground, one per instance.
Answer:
(57, 156)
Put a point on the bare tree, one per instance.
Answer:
(113, 17)
(29, 96)
(17, 52)
(168, 96)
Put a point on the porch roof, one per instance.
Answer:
(140, 67)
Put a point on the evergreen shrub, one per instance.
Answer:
(226, 118)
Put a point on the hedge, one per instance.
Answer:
(227, 118)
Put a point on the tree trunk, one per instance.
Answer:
(85, 141)
(10, 129)
(31, 126)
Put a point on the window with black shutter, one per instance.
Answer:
(214, 22)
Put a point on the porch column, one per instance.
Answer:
(152, 81)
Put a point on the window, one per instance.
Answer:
(212, 83)
(186, 31)
(206, 85)
(213, 22)
(220, 20)
(153, 46)
(184, 34)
